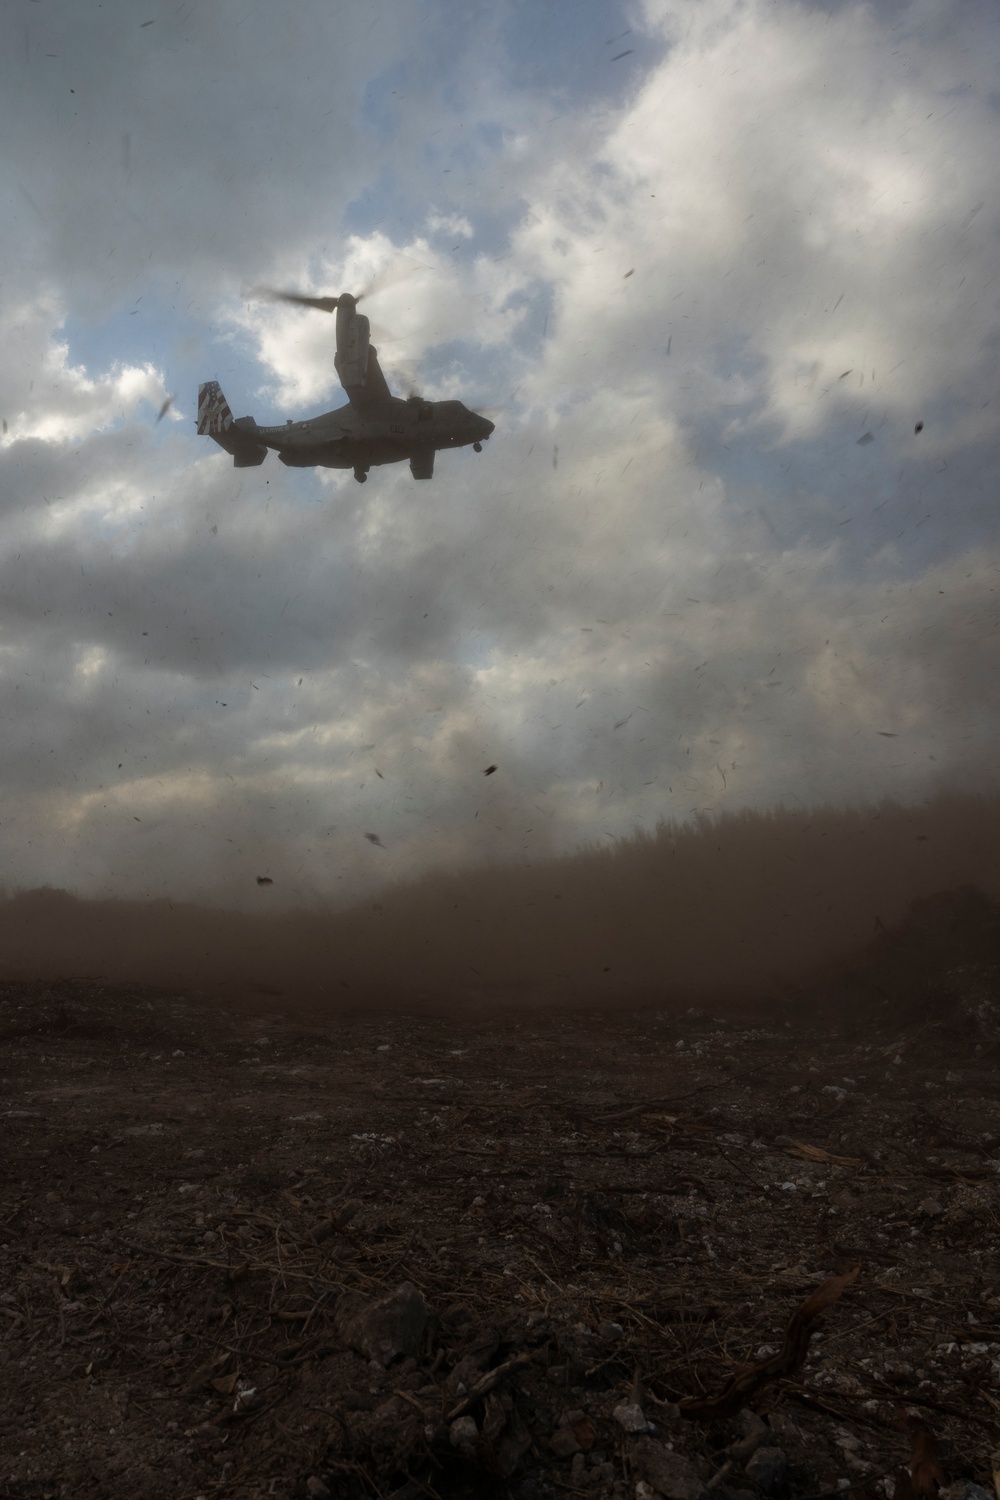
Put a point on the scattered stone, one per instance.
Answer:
(563, 1442)
(384, 1330)
(322, 1231)
(463, 1434)
(766, 1469)
(631, 1416)
(752, 1429)
(930, 1208)
(669, 1473)
(81, 1404)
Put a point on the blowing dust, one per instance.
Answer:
(744, 908)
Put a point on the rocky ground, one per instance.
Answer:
(507, 1253)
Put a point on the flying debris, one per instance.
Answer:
(166, 405)
(919, 427)
(374, 428)
(865, 439)
(264, 880)
(489, 770)
(373, 838)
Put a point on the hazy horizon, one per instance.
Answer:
(741, 907)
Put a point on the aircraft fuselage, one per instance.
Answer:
(375, 427)
(349, 438)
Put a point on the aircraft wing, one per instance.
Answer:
(375, 391)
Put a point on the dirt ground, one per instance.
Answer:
(269, 1253)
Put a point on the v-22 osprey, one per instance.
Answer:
(375, 427)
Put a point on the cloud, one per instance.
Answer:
(672, 582)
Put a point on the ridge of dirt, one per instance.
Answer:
(597, 1214)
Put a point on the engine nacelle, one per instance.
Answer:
(353, 338)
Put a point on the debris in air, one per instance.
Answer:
(619, 55)
(919, 427)
(628, 274)
(264, 880)
(373, 838)
(865, 439)
(489, 770)
(169, 401)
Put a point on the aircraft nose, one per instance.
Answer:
(485, 427)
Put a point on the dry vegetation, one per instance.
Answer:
(524, 1252)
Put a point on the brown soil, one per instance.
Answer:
(600, 1210)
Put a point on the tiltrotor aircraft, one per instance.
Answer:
(375, 427)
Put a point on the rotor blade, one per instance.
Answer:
(271, 294)
(392, 275)
(405, 373)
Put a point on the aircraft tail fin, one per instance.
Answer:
(215, 420)
(214, 416)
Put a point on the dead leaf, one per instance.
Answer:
(225, 1384)
(926, 1474)
(585, 1433)
(748, 1379)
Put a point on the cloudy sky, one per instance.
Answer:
(707, 264)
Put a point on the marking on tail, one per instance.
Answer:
(214, 415)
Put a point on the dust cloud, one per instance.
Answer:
(741, 907)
